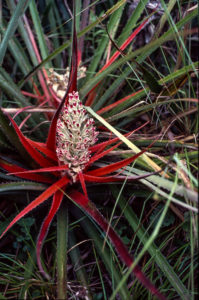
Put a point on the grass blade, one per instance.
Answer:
(12, 26)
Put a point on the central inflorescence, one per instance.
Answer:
(75, 134)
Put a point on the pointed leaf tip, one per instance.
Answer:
(40, 199)
(72, 86)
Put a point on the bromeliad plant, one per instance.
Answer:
(64, 160)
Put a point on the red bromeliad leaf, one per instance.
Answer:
(112, 59)
(115, 166)
(57, 199)
(51, 139)
(102, 154)
(116, 178)
(124, 45)
(101, 146)
(43, 170)
(98, 179)
(14, 169)
(40, 199)
(20, 110)
(42, 148)
(31, 95)
(82, 181)
(121, 249)
(72, 86)
(111, 106)
(36, 51)
(40, 159)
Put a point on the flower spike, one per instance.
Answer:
(75, 135)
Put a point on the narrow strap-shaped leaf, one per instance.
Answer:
(42, 170)
(114, 57)
(148, 76)
(57, 199)
(74, 58)
(125, 140)
(67, 44)
(40, 159)
(99, 147)
(23, 30)
(21, 185)
(82, 181)
(104, 144)
(35, 50)
(21, 6)
(39, 31)
(72, 86)
(102, 154)
(172, 88)
(62, 249)
(143, 52)
(121, 249)
(40, 199)
(42, 148)
(159, 258)
(51, 139)
(124, 45)
(112, 105)
(12, 136)
(104, 179)
(4, 143)
(116, 178)
(17, 51)
(23, 173)
(115, 166)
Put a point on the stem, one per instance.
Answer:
(62, 236)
